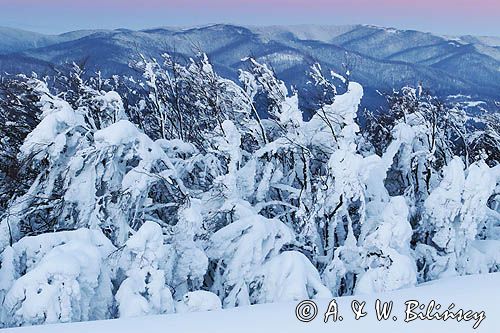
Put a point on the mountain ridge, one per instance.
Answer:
(382, 58)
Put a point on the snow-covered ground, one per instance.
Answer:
(476, 293)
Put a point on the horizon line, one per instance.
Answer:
(207, 25)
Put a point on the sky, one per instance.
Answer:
(451, 17)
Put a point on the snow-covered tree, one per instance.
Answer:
(189, 101)
(19, 115)
(484, 142)
(108, 178)
(439, 134)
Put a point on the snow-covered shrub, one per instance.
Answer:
(188, 261)
(144, 290)
(388, 259)
(289, 276)
(455, 212)
(57, 277)
(239, 249)
(199, 300)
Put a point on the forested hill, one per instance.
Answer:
(379, 58)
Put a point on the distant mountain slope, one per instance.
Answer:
(486, 45)
(382, 58)
(14, 40)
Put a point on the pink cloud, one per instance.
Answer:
(484, 6)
